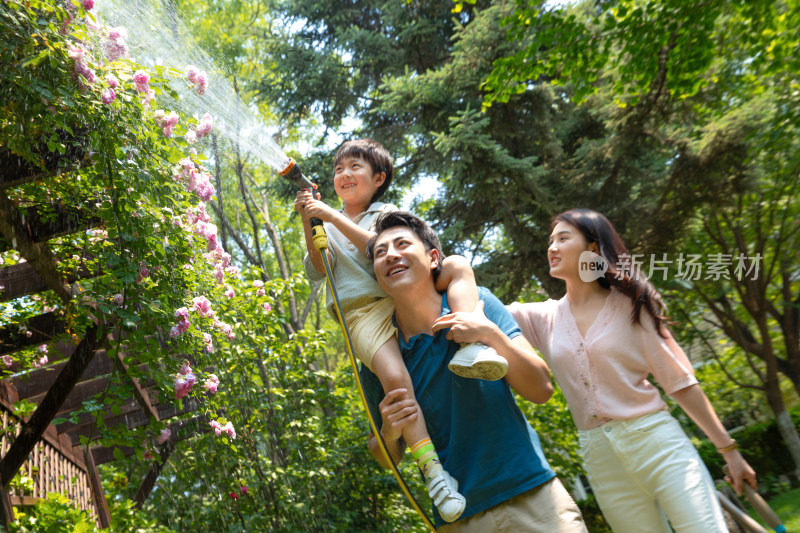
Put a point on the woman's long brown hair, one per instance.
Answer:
(622, 274)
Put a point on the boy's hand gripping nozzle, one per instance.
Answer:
(293, 173)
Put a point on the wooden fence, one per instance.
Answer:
(53, 465)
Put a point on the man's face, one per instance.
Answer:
(401, 262)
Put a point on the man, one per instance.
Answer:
(481, 436)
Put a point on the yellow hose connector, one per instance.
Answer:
(319, 237)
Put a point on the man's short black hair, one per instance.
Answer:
(373, 153)
(405, 219)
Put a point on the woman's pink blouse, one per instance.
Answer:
(604, 375)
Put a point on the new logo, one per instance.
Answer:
(591, 266)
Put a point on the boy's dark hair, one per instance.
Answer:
(405, 219)
(373, 153)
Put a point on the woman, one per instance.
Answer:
(601, 341)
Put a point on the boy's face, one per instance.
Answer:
(355, 182)
(401, 261)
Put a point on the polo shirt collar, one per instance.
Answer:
(421, 341)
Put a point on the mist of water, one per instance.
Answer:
(157, 36)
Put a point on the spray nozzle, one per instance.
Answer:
(293, 173)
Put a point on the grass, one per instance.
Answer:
(787, 507)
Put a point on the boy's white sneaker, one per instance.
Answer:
(443, 490)
(478, 361)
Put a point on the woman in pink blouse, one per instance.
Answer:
(602, 341)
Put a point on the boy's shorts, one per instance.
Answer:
(370, 325)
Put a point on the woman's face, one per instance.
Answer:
(567, 243)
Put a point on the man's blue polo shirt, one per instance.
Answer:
(479, 432)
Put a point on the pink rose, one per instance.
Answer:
(208, 341)
(201, 82)
(210, 386)
(88, 4)
(140, 80)
(226, 329)
(108, 96)
(202, 305)
(205, 190)
(75, 52)
(191, 73)
(164, 435)
(204, 126)
(115, 47)
(183, 384)
(118, 33)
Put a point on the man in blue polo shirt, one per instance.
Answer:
(482, 438)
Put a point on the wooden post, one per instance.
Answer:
(99, 497)
(6, 510)
(150, 479)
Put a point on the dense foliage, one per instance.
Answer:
(79, 116)
(280, 443)
(721, 81)
(658, 113)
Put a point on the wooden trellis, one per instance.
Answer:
(53, 455)
(54, 466)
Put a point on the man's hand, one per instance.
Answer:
(467, 327)
(527, 372)
(397, 411)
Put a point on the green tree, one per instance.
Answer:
(753, 293)
(504, 172)
(731, 64)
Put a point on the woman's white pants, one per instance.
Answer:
(645, 472)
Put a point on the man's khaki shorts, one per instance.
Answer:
(547, 508)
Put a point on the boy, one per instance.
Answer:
(363, 171)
